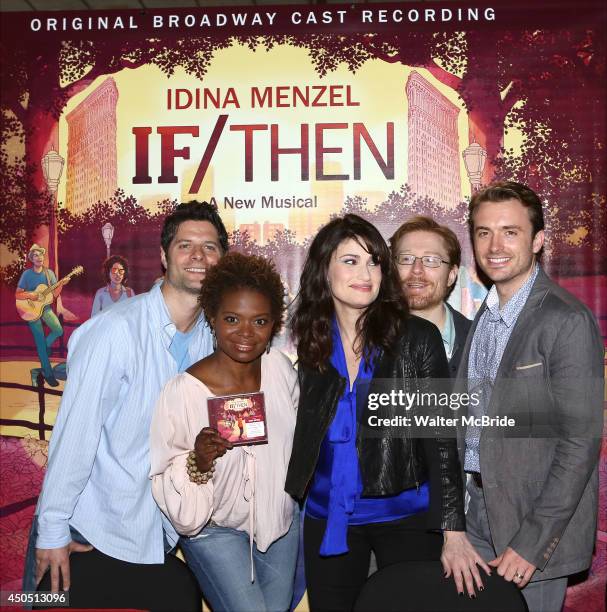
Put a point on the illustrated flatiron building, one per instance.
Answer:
(433, 143)
(92, 167)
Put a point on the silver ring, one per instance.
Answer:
(519, 576)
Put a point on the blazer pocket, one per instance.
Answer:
(528, 369)
(529, 366)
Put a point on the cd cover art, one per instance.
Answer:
(240, 418)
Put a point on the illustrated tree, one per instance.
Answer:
(403, 204)
(136, 237)
(547, 84)
(36, 86)
(562, 120)
(242, 242)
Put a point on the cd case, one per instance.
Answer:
(241, 418)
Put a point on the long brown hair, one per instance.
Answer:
(311, 323)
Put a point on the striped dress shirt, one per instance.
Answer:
(97, 479)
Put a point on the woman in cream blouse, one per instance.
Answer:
(239, 527)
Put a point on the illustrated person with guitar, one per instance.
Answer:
(96, 499)
(29, 290)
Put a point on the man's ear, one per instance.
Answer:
(163, 258)
(452, 278)
(538, 242)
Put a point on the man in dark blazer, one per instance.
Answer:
(428, 256)
(535, 355)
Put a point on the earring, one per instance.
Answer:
(214, 339)
(268, 348)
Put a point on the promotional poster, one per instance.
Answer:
(283, 117)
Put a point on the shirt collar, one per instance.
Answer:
(448, 331)
(512, 308)
(160, 316)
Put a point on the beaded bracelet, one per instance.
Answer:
(194, 474)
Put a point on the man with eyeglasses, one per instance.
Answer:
(428, 256)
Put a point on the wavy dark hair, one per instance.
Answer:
(193, 211)
(380, 324)
(238, 271)
(108, 264)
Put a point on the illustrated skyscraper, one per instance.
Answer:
(434, 157)
(92, 168)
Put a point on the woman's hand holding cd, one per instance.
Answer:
(208, 447)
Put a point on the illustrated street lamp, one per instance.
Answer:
(52, 167)
(107, 231)
(474, 160)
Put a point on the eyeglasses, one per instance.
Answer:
(429, 261)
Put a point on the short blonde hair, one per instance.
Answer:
(427, 224)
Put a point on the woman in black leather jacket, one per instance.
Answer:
(380, 491)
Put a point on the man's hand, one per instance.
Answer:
(460, 559)
(58, 559)
(513, 567)
(21, 294)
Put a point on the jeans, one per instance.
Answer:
(43, 343)
(220, 560)
(540, 595)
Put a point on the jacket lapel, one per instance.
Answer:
(462, 370)
(520, 334)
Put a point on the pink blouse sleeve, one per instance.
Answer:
(174, 428)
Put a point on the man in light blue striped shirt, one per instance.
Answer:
(97, 480)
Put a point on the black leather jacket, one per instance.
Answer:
(389, 464)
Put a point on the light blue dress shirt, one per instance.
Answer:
(97, 478)
(486, 351)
